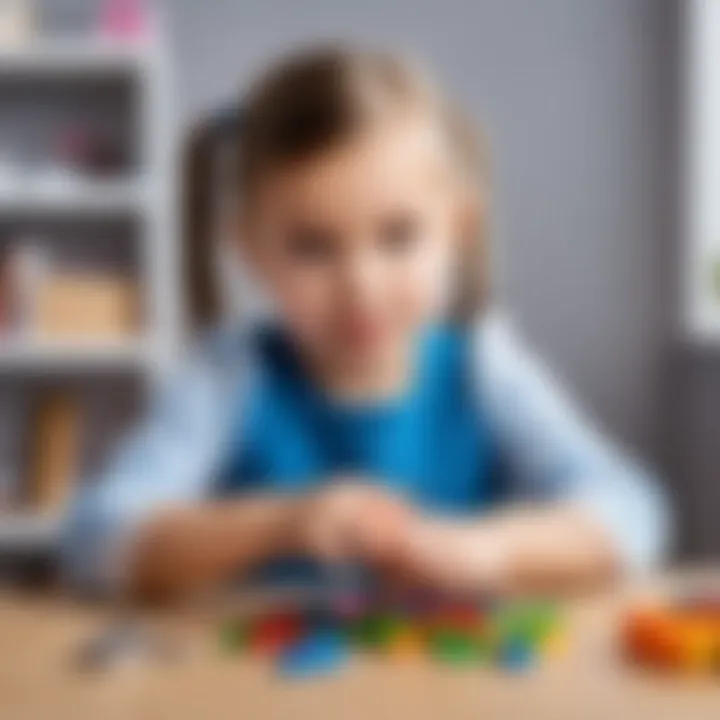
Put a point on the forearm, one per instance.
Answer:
(518, 551)
(186, 549)
(558, 548)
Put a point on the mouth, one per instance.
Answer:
(360, 332)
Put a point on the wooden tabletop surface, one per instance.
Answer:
(39, 638)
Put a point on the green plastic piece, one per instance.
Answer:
(542, 621)
(529, 622)
(376, 631)
(233, 636)
(454, 648)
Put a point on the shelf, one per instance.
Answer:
(78, 57)
(27, 532)
(50, 356)
(92, 198)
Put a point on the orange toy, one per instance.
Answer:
(684, 636)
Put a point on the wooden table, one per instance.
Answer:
(38, 680)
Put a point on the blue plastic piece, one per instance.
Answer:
(516, 656)
(322, 652)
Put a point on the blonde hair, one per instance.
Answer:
(307, 103)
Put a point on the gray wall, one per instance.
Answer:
(580, 100)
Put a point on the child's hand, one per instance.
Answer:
(355, 521)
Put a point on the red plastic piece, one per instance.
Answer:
(272, 633)
(464, 616)
(461, 617)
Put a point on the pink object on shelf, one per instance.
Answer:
(124, 20)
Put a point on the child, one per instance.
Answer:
(384, 416)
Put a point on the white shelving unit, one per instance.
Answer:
(61, 357)
(701, 231)
(147, 196)
(27, 533)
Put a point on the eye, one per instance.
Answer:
(399, 233)
(311, 244)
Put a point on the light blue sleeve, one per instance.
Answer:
(553, 452)
(171, 458)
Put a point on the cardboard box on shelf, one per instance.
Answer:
(54, 451)
(85, 307)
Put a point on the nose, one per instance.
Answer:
(360, 278)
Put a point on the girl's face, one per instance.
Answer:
(357, 246)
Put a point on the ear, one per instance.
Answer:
(472, 266)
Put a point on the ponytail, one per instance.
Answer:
(199, 198)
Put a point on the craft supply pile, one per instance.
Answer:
(320, 638)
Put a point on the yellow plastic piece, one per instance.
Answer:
(556, 645)
(408, 643)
